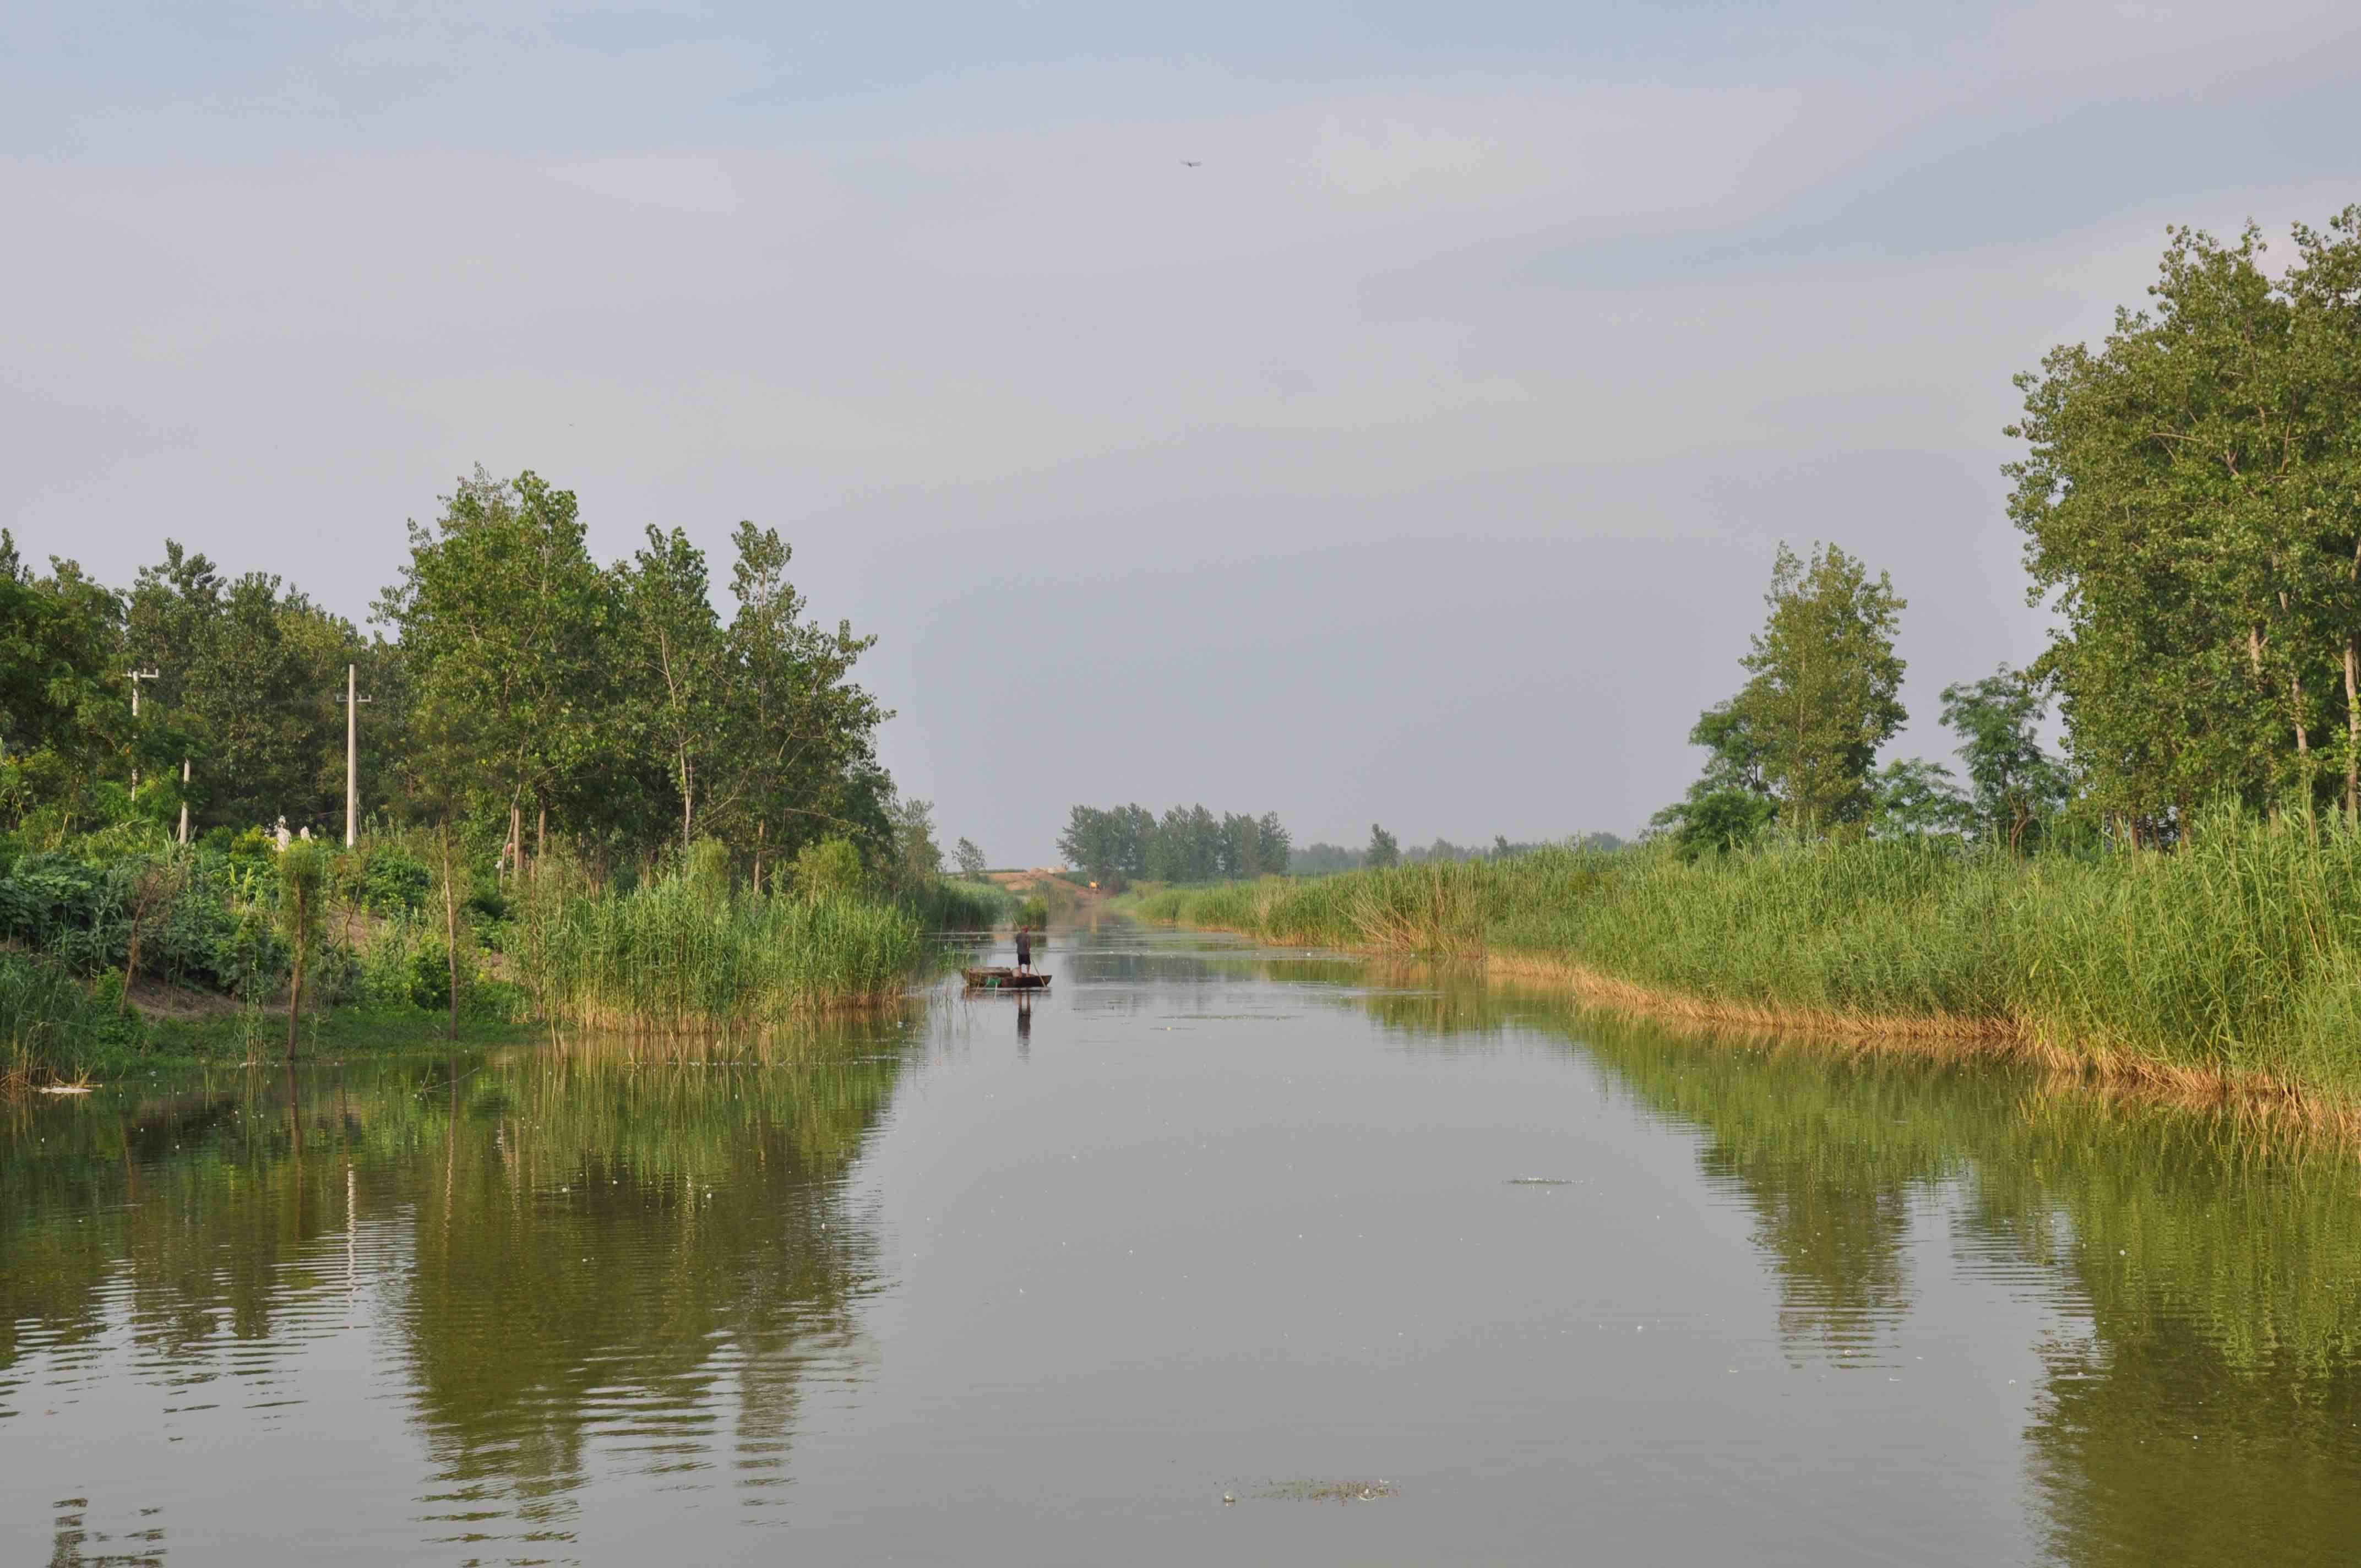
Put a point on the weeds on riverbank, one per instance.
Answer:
(2235, 956)
(50, 1022)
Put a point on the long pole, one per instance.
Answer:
(135, 678)
(352, 751)
(185, 800)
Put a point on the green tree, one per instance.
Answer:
(800, 733)
(2190, 501)
(672, 641)
(1093, 840)
(829, 868)
(302, 897)
(1383, 850)
(1825, 691)
(1273, 849)
(64, 707)
(1912, 798)
(908, 859)
(250, 674)
(1730, 805)
(2016, 783)
(507, 623)
(970, 860)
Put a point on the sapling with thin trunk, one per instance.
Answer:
(301, 884)
(451, 925)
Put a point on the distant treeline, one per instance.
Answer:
(1124, 844)
(1320, 860)
(1127, 843)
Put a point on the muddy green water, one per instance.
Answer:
(996, 1283)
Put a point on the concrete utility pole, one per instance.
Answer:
(352, 700)
(185, 800)
(135, 678)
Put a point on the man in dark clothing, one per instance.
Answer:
(1024, 949)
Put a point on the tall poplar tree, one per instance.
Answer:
(2191, 501)
(1825, 691)
(800, 733)
(672, 641)
(505, 621)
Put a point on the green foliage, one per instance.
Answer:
(503, 618)
(384, 879)
(250, 674)
(668, 957)
(1912, 796)
(2240, 952)
(1730, 805)
(302, 911)
(429, 977)
(830, 869)
(1127, 843)
(1383, 852)
(970, 859)
(50, 1023)
(76, 907)
(1824, 693)
(64, 704)
(2191, 500)
(949, 905)
(2018, 785)
(1794, 746)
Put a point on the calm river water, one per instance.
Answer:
(1043, 1285)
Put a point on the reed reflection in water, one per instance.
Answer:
(1042, 1277)
(597, 1267)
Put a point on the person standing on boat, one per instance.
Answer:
(1024, 950)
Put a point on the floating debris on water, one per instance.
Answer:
(1328, 1491)
(1537, 1182)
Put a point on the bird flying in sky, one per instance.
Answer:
(1192, 163)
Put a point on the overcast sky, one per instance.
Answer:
(1419, 457)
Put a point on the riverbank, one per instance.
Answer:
(687, 953)
(2231, 966)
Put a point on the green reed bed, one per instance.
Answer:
(2238, 954)
(678, 955)
(50, 1022)
(945, 905)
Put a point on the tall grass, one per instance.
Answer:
(948, 904)
(2238, 956)
(682, 954)
(49, 1021)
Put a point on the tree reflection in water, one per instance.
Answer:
(589, 1258)
(2209, 1412)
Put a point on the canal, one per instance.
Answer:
(1212, 1253)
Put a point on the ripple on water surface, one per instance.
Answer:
(1172, 1266)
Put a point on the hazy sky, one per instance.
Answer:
(1420, 458)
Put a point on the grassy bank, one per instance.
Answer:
(2236, 959)
(198, 931)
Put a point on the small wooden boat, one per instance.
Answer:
(1005, 980)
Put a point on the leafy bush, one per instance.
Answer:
(384, 880)
(830, 869)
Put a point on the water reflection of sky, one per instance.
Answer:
(1042, 1278)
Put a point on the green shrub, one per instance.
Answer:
(385, 880)
(429, 977)
(830, 869)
